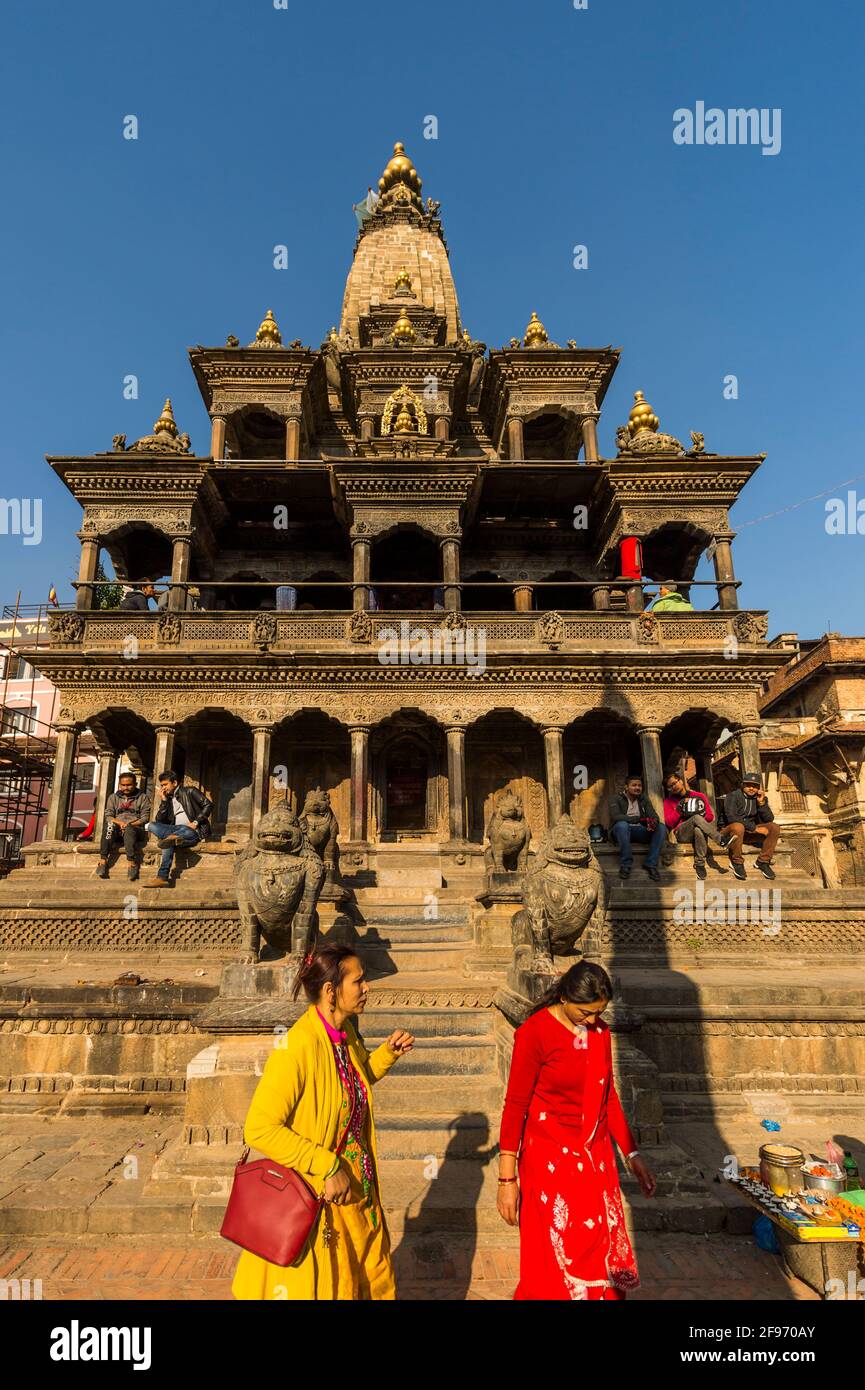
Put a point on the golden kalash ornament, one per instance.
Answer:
(268, 334)
(536, 334)
(403, 334)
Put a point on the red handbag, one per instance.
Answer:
(272, 1210)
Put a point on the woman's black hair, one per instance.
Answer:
(325, 966)
(582, 984)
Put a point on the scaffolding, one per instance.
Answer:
(27, 747)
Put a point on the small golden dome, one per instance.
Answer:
(403, 281)
(403, 334)
(642, 416)
(400, 170)
(404, 422)
(536, 334)
(268, 331)
(165, 424)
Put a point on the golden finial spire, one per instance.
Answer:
(642, 416)
(166, 423)
(403, 281)
(403, 334)
(400, 171)
(268, 333)
(404, 422)
(536, 334)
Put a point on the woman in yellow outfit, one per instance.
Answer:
(316, 1086)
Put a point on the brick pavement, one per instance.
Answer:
(723, 1268)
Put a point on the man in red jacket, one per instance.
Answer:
(688, 816)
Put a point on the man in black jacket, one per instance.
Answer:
(138, 598)
(633, 818)
(749, 819)
(182, 818)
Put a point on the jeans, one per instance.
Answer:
(186, 835)
(133, 837)
(625, 835)
(696, 830)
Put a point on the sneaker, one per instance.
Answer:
(102, 871)
(131, 869)
(157, 883)
(625, 871)
(727, 839)
(739, 868)
(765, 868)
(653, 873)
(700, 870)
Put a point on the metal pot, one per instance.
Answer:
(835, 1185)
(781, 1167)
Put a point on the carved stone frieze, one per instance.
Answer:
(438, 521)
(751, 627)
(168, 628)
(66, 627)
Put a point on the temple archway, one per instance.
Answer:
(409, 778)
(601, 749)
(213, 752)
(312, 750)
(404, 557)
(504, 752)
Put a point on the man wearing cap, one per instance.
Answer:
(749, 819)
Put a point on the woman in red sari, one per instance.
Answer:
(560, 1118)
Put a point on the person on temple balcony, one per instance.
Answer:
(634, 820)
(125, 818)
(137, 600)
(182, 819)
(749, 820)
(689, 819)
(669, 600)
(558, 1178)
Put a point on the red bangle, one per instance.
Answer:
(507, 1179)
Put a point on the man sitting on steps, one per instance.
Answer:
(125, 814)
(749, 818)
(182, 818)
(633, 818)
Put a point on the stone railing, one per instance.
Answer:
(128, 633)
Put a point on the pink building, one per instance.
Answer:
(29, 704)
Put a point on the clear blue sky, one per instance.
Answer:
(260, 126)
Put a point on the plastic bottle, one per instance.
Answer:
(854, 1182)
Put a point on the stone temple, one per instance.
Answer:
(405, 574)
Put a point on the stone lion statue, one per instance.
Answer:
(509, 836)
(321, 828)
(563, 893)
(278, 877)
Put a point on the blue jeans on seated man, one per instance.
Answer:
(625, 835)
(187, 837)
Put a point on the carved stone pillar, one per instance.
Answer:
(554, 757)
(292, 439)
(61, 781)
(590, 438)
(261, 736)
(724, 573)
(653, 772)
(442, 427)
(748, 739)
(601, 598)
(107, 770)
(523, 598)
(636, 602)
(162, 760)
(516, 450)
(451, 572)
(359, 780)
(361, 550)
(180, 556)
(456, 743)
(367, 426)
(87, 568)
(217, 437)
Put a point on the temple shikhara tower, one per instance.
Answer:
(403, 572)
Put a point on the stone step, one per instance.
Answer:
(428, 1023)
(453, 1056)
(410, 933)
(436, 957)
(419, 1095)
